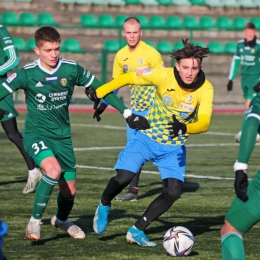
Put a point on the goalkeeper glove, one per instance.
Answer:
(3, 113)
(241, 183)
(176, 127)
(99, 110)
(230, 85)
(92, 95)
(135, 121)
(257, 87)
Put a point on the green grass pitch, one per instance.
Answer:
(207, 194)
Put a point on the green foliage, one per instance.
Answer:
(201, 208)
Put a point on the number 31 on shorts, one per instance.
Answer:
(39, 146)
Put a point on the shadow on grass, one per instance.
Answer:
(17, 180)
(198, 225)
(188, 186)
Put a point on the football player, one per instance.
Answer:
(182, 105)
(244, 211)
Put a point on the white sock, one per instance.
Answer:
(33, 173)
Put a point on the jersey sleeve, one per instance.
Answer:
(7, 46)
(83, 77)
(204, 112)
(16, 81)
(235, 64)
(146, 78)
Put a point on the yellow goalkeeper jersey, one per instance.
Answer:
(142, 58)
(190, 106)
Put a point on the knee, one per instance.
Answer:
(173, 194)
(53, 171)
(123, 177)
(68, 188)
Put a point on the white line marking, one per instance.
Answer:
(154, 172)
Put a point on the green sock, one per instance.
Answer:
(232, 247)
(64, 207)
(244, 120)
(43, 193)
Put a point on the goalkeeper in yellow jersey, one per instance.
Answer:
(182, 105)
(136, 56)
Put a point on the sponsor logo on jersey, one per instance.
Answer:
(87, 75)
(40, 98)
(63, 82)
(184, 115)
(140, 70)
(8, 42)
(125, 68)
(54, 78)
(167, 99)
(41, 107)
(38, 85)
(58, 96)
(10, 78)
(189, 98)
(147, 72)
(186, 107)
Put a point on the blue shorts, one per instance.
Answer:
(170, 160)
(130, 132)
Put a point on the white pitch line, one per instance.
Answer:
(122, 147)
(124, 128)
(218, 133)
(157, 173)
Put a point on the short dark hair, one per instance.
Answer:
(47, 34)
(250, 26)
(190, 51)
(132, 18)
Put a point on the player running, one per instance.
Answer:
(136, 56)
(48, 84)
(182, 105)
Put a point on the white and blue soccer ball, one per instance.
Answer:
(178, 241)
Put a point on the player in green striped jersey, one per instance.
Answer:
(248, 56)
(48, 84)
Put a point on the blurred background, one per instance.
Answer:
(91, 33)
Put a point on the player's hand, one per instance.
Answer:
(176, 127)
(99, 110)
(241, 183)
(3, 113)
(137, 122)
(92, 95)
(230, 85)
(257, 87)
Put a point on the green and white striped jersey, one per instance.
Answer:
(48, 95)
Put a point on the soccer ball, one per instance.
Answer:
(178, 241)
(238, 136)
